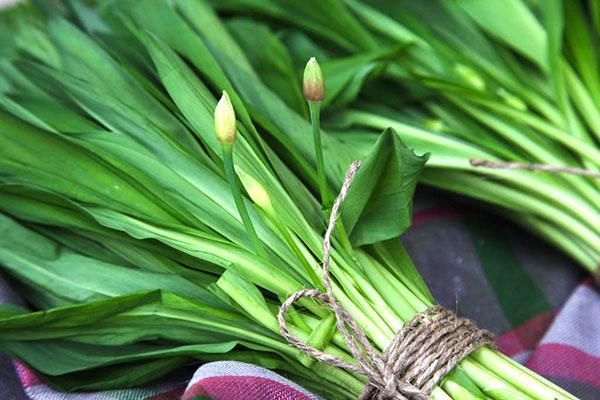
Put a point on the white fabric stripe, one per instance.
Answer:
(522, 357)
(43, 392)
(578, 323)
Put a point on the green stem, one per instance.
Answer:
(563, 240)
(569, 141)
(342, 236)
(326, 199)
(504, 380)
(505, 196)
(315, 108)
(239, 200)
(310, 272)
(519, 376)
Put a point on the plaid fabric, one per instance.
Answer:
(545, 311)
(235, 380)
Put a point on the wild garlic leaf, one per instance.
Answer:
(379, 203)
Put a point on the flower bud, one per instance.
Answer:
(255, 190)
(225, 124)
(470, 76)
(314, 87)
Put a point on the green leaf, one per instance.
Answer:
(248, 298)
(173, 24)
(379, 202)
(121, 376)
(345, 77)
(41, 158)
(581, 44)
(56, 115)
(271, 61)
(510, 21)
(276, 278)
(85, 59)
(41, 263)
(189, 93)
(7, 310)
(329, 19)
(195, 103)
(74, 315)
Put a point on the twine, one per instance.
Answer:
(476, 162)
(420, 355)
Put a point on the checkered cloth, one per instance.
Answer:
(544, 309)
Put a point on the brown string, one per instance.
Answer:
(419, 356)
(476, 162)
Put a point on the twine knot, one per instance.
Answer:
(423, 351)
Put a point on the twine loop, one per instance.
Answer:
(420, 355)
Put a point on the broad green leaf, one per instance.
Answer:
(84, 59)
(382, 192)
(275, 278)
(511, 21)
(22, 113)
(74, 315)
(175, 29)
(288, 128)
(73, 277)
(56, 115)
(34, 205)
(189, 93)
(8, 310)
(36, 157)
(121, 376)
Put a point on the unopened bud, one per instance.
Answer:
(255, 190)
(314, 87)
(225, 124)
(470, 76)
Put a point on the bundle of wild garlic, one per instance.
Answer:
(150, 235)
(493, 89)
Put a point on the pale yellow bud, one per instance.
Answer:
(255, 190)
(470, 76)
(225, 124)
(314, 87)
